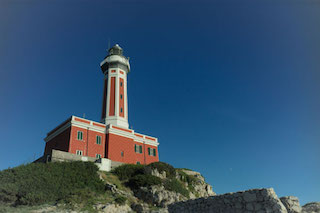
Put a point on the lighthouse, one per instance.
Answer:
(109, 140)
(115, 68)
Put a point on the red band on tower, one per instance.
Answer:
(121, 97)
(112, 96)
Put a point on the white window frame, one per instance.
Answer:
(79, 152)
(152, 151)
(138, 149)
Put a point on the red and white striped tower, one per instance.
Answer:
(115, 68)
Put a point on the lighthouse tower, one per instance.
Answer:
(115, 68)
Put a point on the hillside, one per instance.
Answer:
(80, 186)
(157, 187)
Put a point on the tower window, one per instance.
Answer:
(98, 139)
(121, 110)
(79, 152)
(120, 84)
(121, 96)
(80, 135)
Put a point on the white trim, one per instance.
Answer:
(88, 126)
(116, 58)
(108, 96)
(133, 136)
(104, 130)
(117, 93)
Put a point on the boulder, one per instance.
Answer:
(313, 207)
(291, 203)
(158, 196)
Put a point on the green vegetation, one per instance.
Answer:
(186, 178)
(120, 200)
(33, 184)
(144, 180)
(176, 186)
(77, 185)
(189, 179)
(127, 171)
(164, 167)
(135, 176)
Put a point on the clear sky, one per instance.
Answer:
(231, 88)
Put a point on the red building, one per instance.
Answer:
(112, 138)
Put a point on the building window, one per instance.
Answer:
(138, 163)
(152, 152)
(122, 154)
(79, 152)
(98, 139)
(80, 135)
(138, 148)
(98, 156)
(120, 84)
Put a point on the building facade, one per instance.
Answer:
(111, 138)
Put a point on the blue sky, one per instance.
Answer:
(230, 88)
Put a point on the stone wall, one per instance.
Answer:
(255, 200)
(104, 164)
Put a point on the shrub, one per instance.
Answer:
(143, 180)
(127, 171)
(164, 167)
(120, 200)
(38, 183)
(176, 186)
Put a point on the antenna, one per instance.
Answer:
(84, 115)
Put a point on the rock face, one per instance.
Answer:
(200, 186)
(291, 203)
(313, 207)
(255, 200)
(156, 173)
(157, 195)
(114, 208)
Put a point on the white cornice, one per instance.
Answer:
(104, 130)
